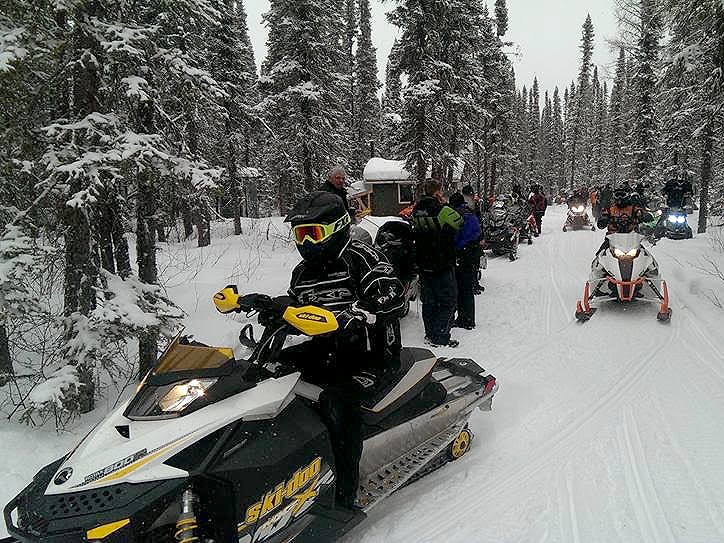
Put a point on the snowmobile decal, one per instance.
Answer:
(131, 463)
(300, 492)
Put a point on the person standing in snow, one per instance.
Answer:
(539, 204)
(467, 245)
(435, 226)
(336, 184)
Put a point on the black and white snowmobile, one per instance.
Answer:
(501, 233)
(396, 241)
(577, 217)
(625, 272)
(215, 448)
(673, 224)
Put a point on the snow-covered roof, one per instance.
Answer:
(380, 170)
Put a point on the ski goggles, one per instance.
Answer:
(317, 233)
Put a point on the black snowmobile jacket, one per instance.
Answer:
(435, 226)
(361, 274)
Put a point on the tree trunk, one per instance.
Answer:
(188, 220)
(146, 206)
(147, 270)
(120, 243)
(104, 232)
(202, 221)
(706, 175)
(6, 363)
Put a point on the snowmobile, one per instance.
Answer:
(577, 217)
(527, 227)
(673, 224)
(395, 240)
(625, 272)
(215, 448)
(501, 234)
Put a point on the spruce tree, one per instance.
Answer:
(501, 17)
(302, 103)
(368, 115)
(646, 54)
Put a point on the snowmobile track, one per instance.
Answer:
(512, 479)
(650, 515)
(705, 496)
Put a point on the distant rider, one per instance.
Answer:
(678, 192)
(539, 203)
(358, 284)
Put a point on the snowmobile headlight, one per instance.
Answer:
(672, 218)
(578, 209)
(681, 219)
(183, 394)
(618, 253)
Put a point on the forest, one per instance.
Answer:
(126, 125)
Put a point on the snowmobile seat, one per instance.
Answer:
(399, 385)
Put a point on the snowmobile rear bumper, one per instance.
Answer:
(114, 514)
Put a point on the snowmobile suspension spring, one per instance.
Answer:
(186, 525)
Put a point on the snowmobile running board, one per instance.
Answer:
(389, 478)
(9, 540)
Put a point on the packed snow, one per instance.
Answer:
(606, 431)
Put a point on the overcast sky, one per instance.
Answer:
(546, 33)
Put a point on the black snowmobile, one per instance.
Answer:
(218, 448)
(501, 233)
(396, 241)
(577, 217)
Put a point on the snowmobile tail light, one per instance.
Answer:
(489, 386)
(183, 394)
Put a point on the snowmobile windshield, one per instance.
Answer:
(189, 357)
(625, 243)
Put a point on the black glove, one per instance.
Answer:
(602, 223)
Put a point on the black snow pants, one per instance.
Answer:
(466, 282)
(539, 220)
(439, 300)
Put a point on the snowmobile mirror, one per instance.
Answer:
(227, 300)
(311, 320)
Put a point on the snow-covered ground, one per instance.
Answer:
(608, 431)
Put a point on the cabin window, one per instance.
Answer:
(405, 193)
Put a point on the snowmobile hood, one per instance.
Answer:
(122, 450)
(625, 242)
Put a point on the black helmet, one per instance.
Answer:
(320, 226)
(620, 196)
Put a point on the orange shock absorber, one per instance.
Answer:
(586, 294)
(665, 303)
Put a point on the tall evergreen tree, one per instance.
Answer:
(367, 119)
(302, 103)
(646, 55)
(501, 17)
(583, 99)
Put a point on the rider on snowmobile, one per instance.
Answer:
(677, 192)
(623, 215)
(358, 284)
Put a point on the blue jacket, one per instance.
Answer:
(470, 232)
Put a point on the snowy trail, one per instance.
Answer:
(607, 431)
(600, 432)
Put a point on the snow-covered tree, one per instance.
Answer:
(302, 103)
(368, 113)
